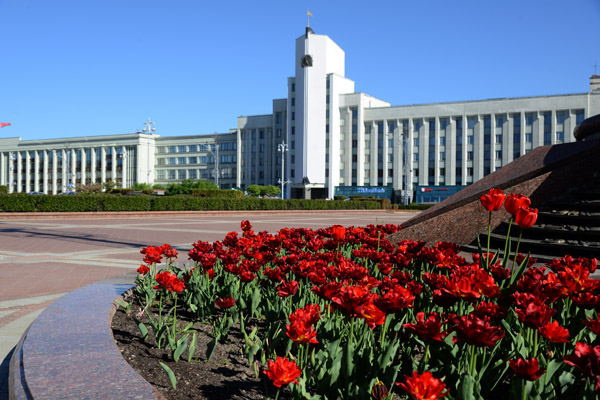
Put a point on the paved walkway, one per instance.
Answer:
(44, 257)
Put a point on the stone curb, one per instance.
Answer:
(69, 352)
(159, 214)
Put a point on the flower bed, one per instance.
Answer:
(348, 315)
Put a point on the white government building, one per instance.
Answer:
(330, 136)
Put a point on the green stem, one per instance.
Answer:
(175, 318)
(523, 389)
(517, 249)
(487, 255)
(388, 318)
(506, 244)
(425, 358)
(473, 361)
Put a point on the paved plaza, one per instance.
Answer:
(43, 258)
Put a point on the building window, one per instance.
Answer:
(181, 148)
(469, 155)
(547, 128)
(293, 101)
(181, 160)
(192, 174)
(354, 113)
(499, 154)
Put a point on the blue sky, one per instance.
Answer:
(98, 67)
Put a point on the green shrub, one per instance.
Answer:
(217, 193)
(111, 202)
(339, 197)
(3, 189)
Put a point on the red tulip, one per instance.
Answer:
(169, 281)
(338, 232)
(555, 333)
(526, 369)
(427, 329)
(587, 360)
(526, 217)
(286, 288)
(142, 269)
(476, 331)
(516, 201)
(300, 332)
(282, 371)
(373, 315)
(492, 200)
(227, 302)
(424, 386)
(593, 324)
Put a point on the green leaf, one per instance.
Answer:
(210, 347)
(350, 358)
(335, 368)
(255, 300)
(192, 348)
(170, 373)
(181, 346)
(466, 387)
(143, 329)
(122, 303)
(566, 379)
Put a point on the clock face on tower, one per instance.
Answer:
(306, 61)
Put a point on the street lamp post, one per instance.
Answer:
(406, 166)
(149, 127)
(216, 171)
(282, 147)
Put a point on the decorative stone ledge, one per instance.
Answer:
(69, 352)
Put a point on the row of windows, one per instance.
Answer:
(224, 159)
(180, 174)
(194, 148)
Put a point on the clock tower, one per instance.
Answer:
(318, 59)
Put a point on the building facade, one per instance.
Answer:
(322, 136)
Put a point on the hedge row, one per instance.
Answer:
(27, 203)
(217, 193)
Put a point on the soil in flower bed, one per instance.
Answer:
(226, 376)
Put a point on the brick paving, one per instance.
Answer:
(45, 256)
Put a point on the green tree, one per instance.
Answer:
(253, 190)
(272, 191)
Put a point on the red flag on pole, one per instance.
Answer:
(3, 124)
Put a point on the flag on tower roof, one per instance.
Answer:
(3, 124)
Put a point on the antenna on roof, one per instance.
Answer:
(308, 15)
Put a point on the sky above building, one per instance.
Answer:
(98, 67)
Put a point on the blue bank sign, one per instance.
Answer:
(379, 192)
